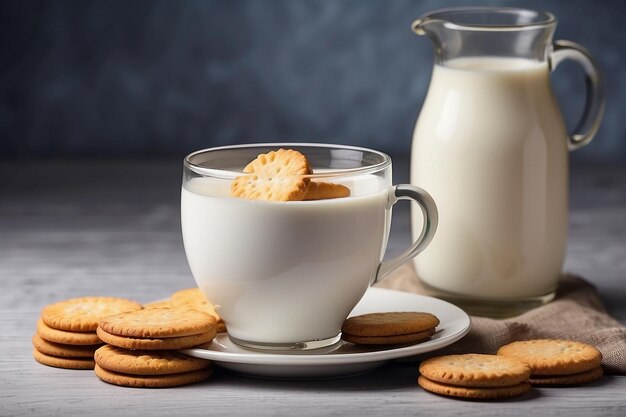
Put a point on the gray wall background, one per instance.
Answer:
(169, 77)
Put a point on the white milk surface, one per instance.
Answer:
(490, 146)
(284, 271)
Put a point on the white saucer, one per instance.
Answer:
(342, 358)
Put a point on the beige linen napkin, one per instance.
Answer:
(576, 313)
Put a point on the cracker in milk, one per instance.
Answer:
(319, 190)
(275, 176)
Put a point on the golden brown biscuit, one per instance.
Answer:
(483, 393)
(83, 314)
(554, 357)
(193, 298)
(168, 343)
(276, 176)
(389, 340)
(474, 370)
(66, 363)
(566, 380)
(144, 362)
(325, 190)
(389, 324)
(152, 381)
(159, 304)
(61, 350)
(158, 323)
(67, 338)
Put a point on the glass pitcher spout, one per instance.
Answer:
(502, 33)
(488, 31)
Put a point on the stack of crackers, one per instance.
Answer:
(513, 370)
(556, 362)
(141, 343)
(149, 369)
(141, 347)
(474, 376)
(66, 331)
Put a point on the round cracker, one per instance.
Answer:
(182, 342)
(554, 357)
(482, 393)
(194, 298)
(475, 370)
(158, 304)
(276, 176)
(143, 362)
(388, 340)
(389, 324)
(319, 190)
(567, 380)
(67, 338)
(152, 381)
(61, 350)
(158, 323)
(83, 314)
(65, 363)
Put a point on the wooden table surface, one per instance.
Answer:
(71, 228)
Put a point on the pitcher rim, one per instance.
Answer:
(547, 19)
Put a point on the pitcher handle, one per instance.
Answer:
(594, 102)
(429, 210)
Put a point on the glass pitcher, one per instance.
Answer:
(491, 146)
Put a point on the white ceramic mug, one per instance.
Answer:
(285, 275)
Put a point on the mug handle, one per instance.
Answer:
(594, 104)
(431, 216)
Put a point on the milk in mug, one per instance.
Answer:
(284, 271)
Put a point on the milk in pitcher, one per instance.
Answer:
(491, 147)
